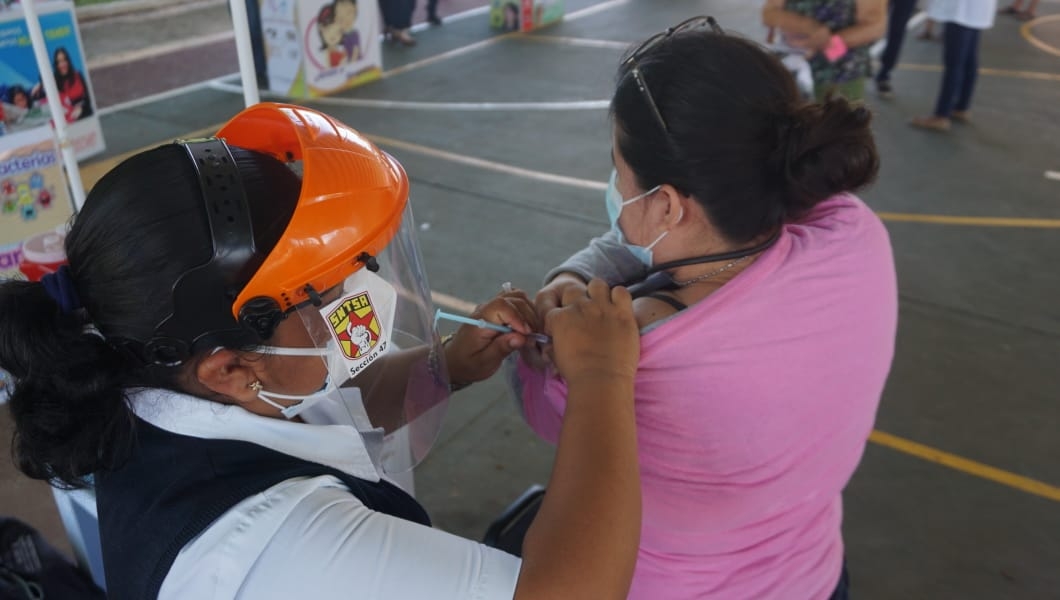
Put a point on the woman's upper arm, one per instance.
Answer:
(331, 546)
(605, 257)
(768, 9)
(872, 12)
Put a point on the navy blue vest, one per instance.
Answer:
(174, 486)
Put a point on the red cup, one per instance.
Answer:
(42, 254)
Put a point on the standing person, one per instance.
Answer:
(836, 34)
(767, 300)
(432, 13)
(397, 20)
(196, 358)
(963, 20)
(1016, 9)
(897, 21)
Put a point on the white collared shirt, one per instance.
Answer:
(977, 14)
(310, 537)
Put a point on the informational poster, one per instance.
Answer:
(23, 101)
(524, 15)
(33, 194)
(317, 47)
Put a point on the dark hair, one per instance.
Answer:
(142, 227)
(324, 18)
(741, 141)
(71, 73)
(14, 91)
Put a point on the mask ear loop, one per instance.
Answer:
(667, 232)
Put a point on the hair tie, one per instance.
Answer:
(60, 287)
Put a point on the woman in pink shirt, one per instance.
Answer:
(767, 302)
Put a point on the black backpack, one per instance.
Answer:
(33, 569)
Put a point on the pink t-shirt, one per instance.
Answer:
(753, 410)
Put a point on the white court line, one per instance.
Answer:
(106, 110)
(138, 16)
(415, 105)
(453, 303)
(460, 16)
(574, 16)
(592, 10)
(490, 165)
(159, 49)
(444, 56)
(881, 44)
(107, 60)
(581, 42)
(1054, 175)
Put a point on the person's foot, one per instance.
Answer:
(933, 123)
(1011, 10)
(884, 89)
(403, 37)
(961, 116)
(1025, 15)
(926, 35)
(434, 19)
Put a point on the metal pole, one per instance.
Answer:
(241, 25)
(55, 105)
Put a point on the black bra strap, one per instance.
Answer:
(674, 302)
(651, 284)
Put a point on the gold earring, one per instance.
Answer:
(255, 385)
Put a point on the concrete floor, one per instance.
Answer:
(974, 384)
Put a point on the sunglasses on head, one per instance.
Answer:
(633, 60)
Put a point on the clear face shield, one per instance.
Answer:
(384, 365)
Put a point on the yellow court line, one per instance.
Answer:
(1039, 75)
(970, 221)
(599, 185)
(92, 172)
(971, 467)
(1025, 31)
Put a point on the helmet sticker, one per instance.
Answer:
(356, 326)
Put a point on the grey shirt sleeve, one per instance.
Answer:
(605, 258)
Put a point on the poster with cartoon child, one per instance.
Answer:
(338, 49)
(318, 47)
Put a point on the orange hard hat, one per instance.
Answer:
(351, 204)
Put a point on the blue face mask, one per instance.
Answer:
(615, 203)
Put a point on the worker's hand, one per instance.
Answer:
(548, 299)
(594, 334)
(475, 353)
(816, 41)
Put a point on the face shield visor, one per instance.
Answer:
(383, 361)
(348, 271)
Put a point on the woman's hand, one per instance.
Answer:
(594, 334)
(548, 299)
(814, 42)
(475, 353)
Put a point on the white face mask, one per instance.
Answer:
(352, 332)
(302, 401)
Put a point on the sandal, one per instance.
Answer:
(1011, 10)
(403, 37)
(932, 123)
(1025, 15)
